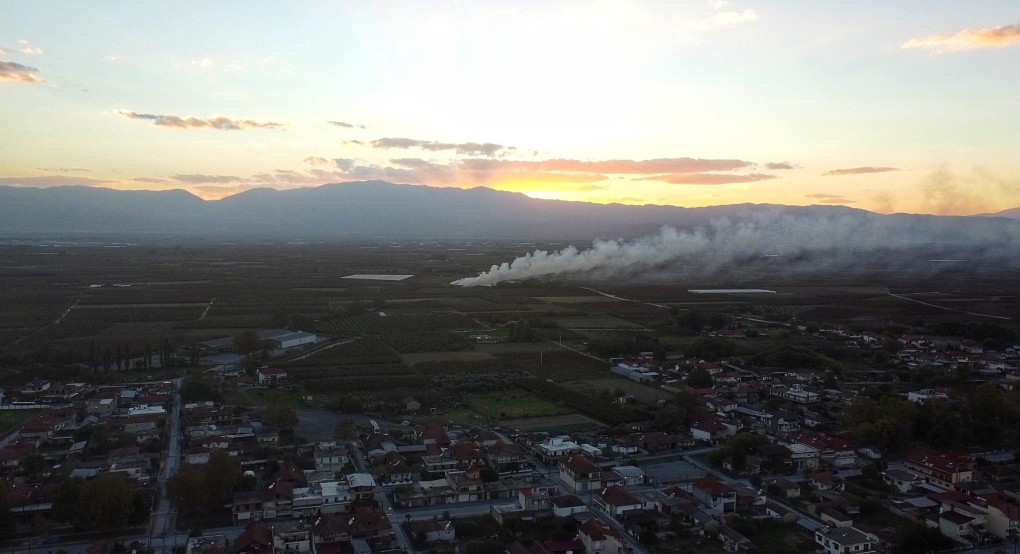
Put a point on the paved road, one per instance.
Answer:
(162, 518)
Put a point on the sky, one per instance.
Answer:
(906, 106)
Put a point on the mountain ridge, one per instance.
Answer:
(382, 209)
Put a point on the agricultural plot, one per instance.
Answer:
(514, 403)
(9, 419)
(365, 350)
(594, 322)
(406, 342)
(642, 393)
(464, 356)
(567, 423)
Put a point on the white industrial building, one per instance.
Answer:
(283, 339)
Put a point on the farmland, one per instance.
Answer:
(518, 351)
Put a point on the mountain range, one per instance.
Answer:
(377, 209)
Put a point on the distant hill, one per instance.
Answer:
(376, 209)
(1012, 213)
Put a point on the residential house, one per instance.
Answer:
(294, 536)
(581, 474)
(944, 469)
(255, 539)
(711, 430)
(1003, 514)
(715, 495)
(362, 486)
(566, 505)
(269, 376)
(615, 501)
(329, 456)
(599, 538)
(505, 457)
(556, 449)
(843, 540)
(434, 530)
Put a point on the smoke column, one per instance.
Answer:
(802, 244)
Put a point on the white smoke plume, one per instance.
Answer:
(799, 244)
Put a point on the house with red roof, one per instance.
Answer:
(505, 457)
(255, 539)
(615, 501)
(581, 474)
(599, 538)
(271, 376)
(944, 469)
(715, 495)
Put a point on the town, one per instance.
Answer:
(400, 416)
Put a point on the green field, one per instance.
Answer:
(513, 404)
(266, 397)
(9, 419)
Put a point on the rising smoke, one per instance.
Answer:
(795, 245)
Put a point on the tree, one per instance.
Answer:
(913, 536)
(346, 429)
(188, 490)
(7, 521)
(221, 477)
(196, 389)
(34, 464)
(247, 342)
(699, 378)
(65, 503)
(106, 503)
(282, 417)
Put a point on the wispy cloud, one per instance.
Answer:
(859, 170)
(218, 122)
(709, 178)
(15, 72)
(829, 198)
(776, 166)
(152, 180)
(347, 125)
(727, 19)
(969, 39)
(463, 148)
(315, 160)
(52, 181)
(28, 48)
(65, 169)
(195, 178)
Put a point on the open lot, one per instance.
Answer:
(553, 424)
(513, 404)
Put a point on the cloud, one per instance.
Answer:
(218, 122)
(27, 48)
(353, 143)
(13, 71)
(152, 180)
(859, 170)
(315, 160)
(969, 39)
(65, 169)
(200, 178)
(4, 51)
(617, 167)
(775, 166)
(464, 148)
(829, 198)
(727, 19)
(347, 125)
(204, 62)
(709, 178)
(52, 181)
